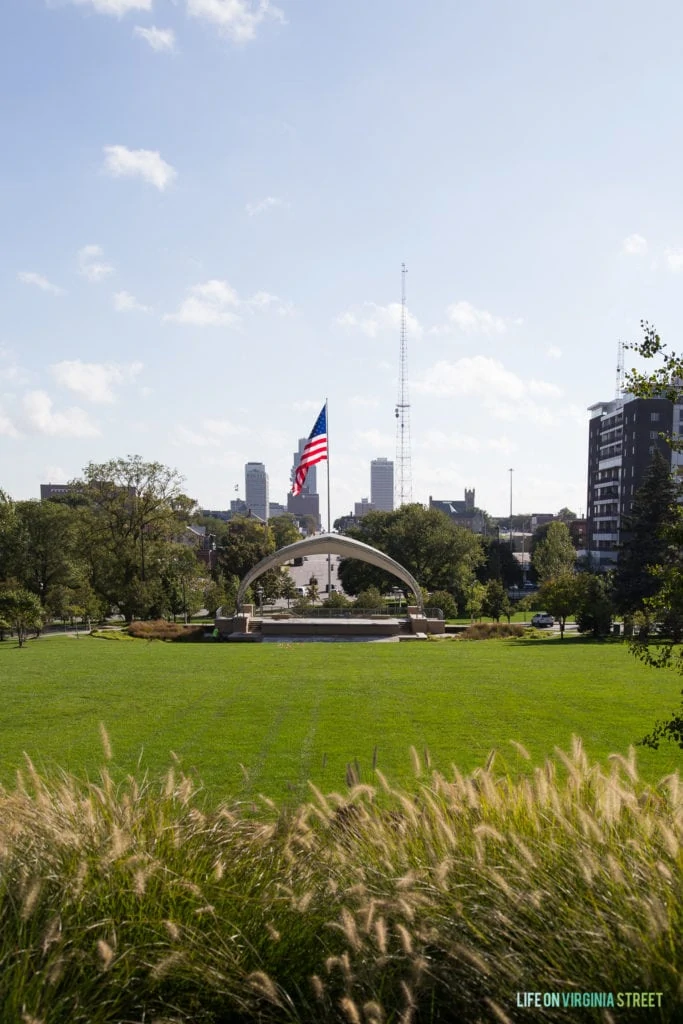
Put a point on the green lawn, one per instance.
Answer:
(292, 713)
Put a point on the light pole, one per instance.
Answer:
(259, 591)
(511, 472)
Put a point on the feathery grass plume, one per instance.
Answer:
(381, 935)
(521, 749)
(165, 966)
(30, 900)
(28, 1018)
(106, 953)
(374, 1014)
(405, 939)
(415, 758)
(374, 757)
(318, 987)
(350, 1010)
(264, 986)
(106, 743)
(173, 930)
(497, 1011)
(671, 843)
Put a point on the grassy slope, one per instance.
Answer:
(283, 711)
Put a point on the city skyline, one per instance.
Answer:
(210, 245)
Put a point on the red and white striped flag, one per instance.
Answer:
(315, 450)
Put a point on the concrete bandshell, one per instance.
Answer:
(334, 544)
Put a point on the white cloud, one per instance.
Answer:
(212, 304)
(115, 7)
(674, 259)
(553, 352)
(53, 472)
(467, 318)
(375, 319)
(94, 381)
(238, 19)
(7, 428)
(28, 277)
(504, 394)
(39, 415)
(121, 162)
(160, 39)
(263, 205)
(183, 435)
(216, 303)
(438, 441)
(364, 402)
(224, 428)
(307, 405)
(90, 263)
(634, 245)
(124, 302)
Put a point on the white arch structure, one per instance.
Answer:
(334, 544)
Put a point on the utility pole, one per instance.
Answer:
(404, 482)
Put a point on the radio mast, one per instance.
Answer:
(620, 371)
(404, 482)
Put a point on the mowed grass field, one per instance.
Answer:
(288, 714)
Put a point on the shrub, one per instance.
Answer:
(443, 600)
(160, 629)
(492, 630)
(370, 598)
(135, 901)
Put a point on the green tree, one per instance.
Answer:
(130, 510)
(245, 543)
(369, 599)
(662, 382)
(48, 546)
(647, 546)
(594, 605)
(555, 555)
(560, 595)
(500, 564)
(312, 589)
(475, 596)
(337, 600)
(22, 610)
(214, 596)
(496, 601)
(443, 600)
(288, 589)
(284, 530)
(439, 554)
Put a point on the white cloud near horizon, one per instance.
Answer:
(634, 245)
(94, 381)
(161, 40)
(503, 393)
(39, 415)
(237, 19)
(124, 302)
(215, 303)
(463, 316)
(373, 320)
(554, 352)
(90, 264)
(29, 277)
(263, 205)
(115, 7)
(121, 162)
(674, 259)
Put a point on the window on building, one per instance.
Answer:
(654, 417)
(653, 435)
(651, 450)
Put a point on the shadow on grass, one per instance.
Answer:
(570, 638)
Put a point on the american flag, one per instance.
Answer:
(315, 450)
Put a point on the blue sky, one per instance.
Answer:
(205, 205)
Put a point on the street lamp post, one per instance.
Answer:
(259, 592)
(511, 472)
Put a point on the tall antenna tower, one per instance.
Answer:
(404, 480)
(620, 370)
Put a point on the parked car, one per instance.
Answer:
(542, 619)
(331, 587)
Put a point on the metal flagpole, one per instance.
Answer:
(329, 523)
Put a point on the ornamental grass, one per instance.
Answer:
(131, 900)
